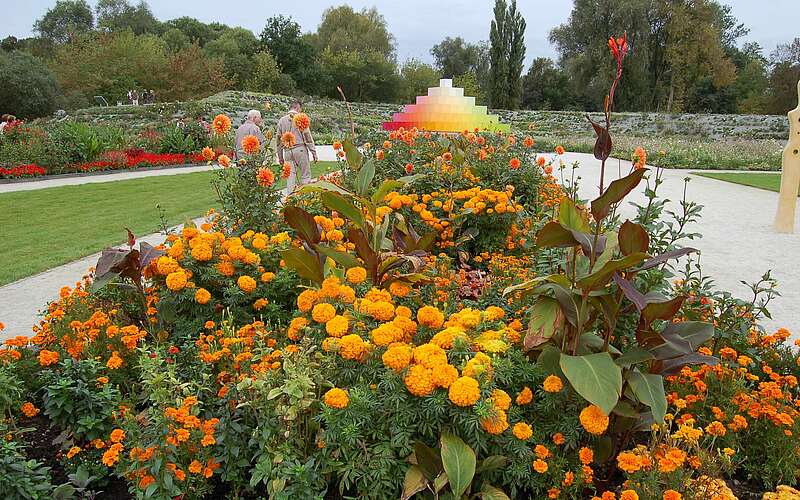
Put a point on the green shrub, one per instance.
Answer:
(19, 476)
(29, 89)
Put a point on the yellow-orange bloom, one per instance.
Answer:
(594, 420)
(301, 121)
(265, 177)
(29, 410)
(288, 139)
(224, 161)
(465, 391)
(522, 431)
(336, 398)
(251, 144)
(221, 124)
(553, 384)
(207, 153)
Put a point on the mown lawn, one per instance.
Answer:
(45, 228)
(771, 182)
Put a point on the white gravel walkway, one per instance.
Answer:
(738, 242)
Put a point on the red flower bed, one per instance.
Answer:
(21, 171)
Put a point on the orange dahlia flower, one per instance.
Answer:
(208, 153)
(301, 121)
(288, 139)
(221, 124)
(265, 177)
(251, 144)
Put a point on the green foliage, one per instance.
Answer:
(64, 20)
(74, 400)
(21, 478)
(295, 54)
(119, 15)
(266, 76)
(416, 77)
(29, 89)
(13, 391)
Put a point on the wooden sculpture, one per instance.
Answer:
(790, 174)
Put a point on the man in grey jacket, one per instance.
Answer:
(295, 155)
(252, 126)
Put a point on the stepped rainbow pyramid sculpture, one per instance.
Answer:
(445, 109)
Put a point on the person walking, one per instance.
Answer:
(294, 146)
(251, 126)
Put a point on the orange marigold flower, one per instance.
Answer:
(430, 316)
(495, 424)
(195, 467)
(514, 163)
(558, 439)
(336, 398)
(525, 396)
(202, 296)
(117, 435)
(628, 495)
(114, 361)
(541, 451)
(301, 121)
(465, 391)
(629, 462)
(594, 420)
(246, 284)
(672, 495)
(47, 358)
(221, 124)
(419, 380)
(522, 431)
(553, 384)
(540, 466)
(288, 139)
(251, 144)
(265, 177)
(29, 410)
(73, 451)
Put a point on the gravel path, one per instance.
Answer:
(738, 242)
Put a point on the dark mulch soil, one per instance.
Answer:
(39, 446)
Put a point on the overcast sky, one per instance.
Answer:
(417, 24)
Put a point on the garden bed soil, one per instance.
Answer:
(95, 173)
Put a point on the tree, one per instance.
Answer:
(66, 19)
(195, 31)
(472, 87)
(236, 48)
(499, 37)
(546, 87)
(675, 46)
(344, 30)
(785, 61)
(294, 53)
(267, 76)
(357, 53)
(416, 77)
(29, 89)
(176, 39)
(516, 55)
(119, 15)
(455, 57)
(190, 75)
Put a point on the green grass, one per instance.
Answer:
(45, 228)
(771, 182)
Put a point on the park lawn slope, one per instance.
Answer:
(768, 181)
(45, 228)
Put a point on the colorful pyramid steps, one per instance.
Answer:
(445, 109)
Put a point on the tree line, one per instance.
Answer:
(685, 57)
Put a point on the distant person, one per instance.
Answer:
(135, 97)
(294, 145)
(251, 126)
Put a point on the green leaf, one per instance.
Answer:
(353, 156)
(385, 188)
(364, 178)
(344, 259)
(633, 238)
(595, 377)
(567, 302)
(546, 317)
(305, 264)
(428, 460)
(696, 333)
(303, 223)
(570, 217)
(662, 309)
(317, 186)
(633, 356)
(458, 460)
(554, 234)
(615, 192)
(649, 389)
(414, 482)
(599, 278)
(489, 492)
(345, 207)
(491, 463)
(549, 360)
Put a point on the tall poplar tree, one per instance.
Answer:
(516, 55)
(498, 56)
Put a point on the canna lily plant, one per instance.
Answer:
(575, 312)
